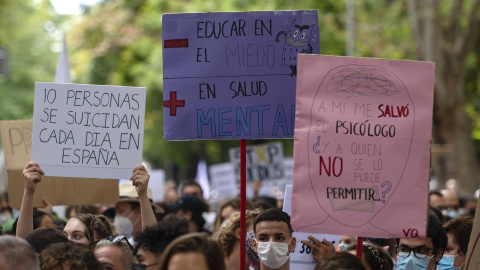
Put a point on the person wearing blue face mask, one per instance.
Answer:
(422, 253)
(346, 242)
(458, 234)
(452, 204)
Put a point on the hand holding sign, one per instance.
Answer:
(32, 175)
(140, 179)
(319, 249)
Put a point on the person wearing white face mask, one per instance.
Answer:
(273, 240)
(134, 210)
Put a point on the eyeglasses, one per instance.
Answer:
(419, 252)
(118, 238)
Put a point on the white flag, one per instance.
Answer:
(62, 75)
(202, 178)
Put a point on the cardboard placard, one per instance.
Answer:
(263, 162)
(91, 131)
(362, 145)
(17, 143)
(231, 75)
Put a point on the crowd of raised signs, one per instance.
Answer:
(185, 231)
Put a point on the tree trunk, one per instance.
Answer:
(452, 127)
(441, 38)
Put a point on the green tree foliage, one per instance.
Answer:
(118, 42)
(27, 34)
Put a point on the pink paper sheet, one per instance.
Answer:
(362, 146)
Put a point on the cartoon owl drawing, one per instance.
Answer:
(297, 40)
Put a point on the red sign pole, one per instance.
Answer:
(243, 199)
(359, 246)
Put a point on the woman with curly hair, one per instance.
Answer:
(228, 237)
(153, 240)
(68, 255)
(88, 229)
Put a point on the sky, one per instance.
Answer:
(70, 6)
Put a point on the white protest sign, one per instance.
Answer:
(157, 184)
(288, 177)
(225, 186)
(302, 257)
(288, 168)
(91, 131)
(223, 178)
(264, 162)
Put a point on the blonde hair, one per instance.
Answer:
(225, 236)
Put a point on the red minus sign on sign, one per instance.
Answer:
(176, 43)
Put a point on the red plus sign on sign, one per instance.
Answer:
(173, 103)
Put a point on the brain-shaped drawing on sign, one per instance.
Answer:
(362, 146)
(363, 81)
(350, 152)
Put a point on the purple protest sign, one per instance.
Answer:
(233, 75)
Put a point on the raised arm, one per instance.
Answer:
(140, 179)
(32, 175)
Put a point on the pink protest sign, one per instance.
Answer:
(362, 146)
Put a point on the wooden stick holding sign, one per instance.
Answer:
(359, 246)
(243, 200)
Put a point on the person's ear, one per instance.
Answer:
(293, 244)
(237, 234)
(254, 244)
(438, 255)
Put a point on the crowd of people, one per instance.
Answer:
(182, 233)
